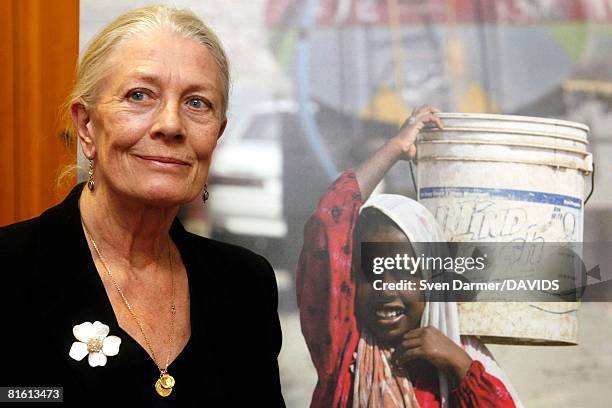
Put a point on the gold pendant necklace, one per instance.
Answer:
(165, 383)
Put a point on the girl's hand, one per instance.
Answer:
(399, 147)
(430, 344)
(406, 137)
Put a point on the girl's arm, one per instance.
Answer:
(480, 389)
(499, 382)
(326, 291)
(477, 387)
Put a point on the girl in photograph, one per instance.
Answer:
(380, 348)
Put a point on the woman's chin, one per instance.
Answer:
(163, 194)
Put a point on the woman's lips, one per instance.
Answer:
(166, 162)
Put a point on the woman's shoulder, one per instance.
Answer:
(17, 237)
(19, 256)
(50, 228)
(224, 251)
(217, 268)
(228, 261)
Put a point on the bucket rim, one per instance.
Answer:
(513, 118)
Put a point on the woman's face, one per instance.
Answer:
(389, 314)
(156, 120)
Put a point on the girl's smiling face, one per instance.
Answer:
(388, 314)
(157, 118)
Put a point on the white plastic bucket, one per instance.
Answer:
(501, 178)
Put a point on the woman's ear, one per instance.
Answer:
(82, 122)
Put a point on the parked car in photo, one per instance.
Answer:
(246, 178)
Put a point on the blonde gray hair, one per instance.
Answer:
(92, 66)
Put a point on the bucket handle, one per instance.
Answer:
(592, 185)
(413, 181)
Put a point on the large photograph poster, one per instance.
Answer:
(319, 85)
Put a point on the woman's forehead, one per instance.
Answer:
(161, 56)
(190, 81)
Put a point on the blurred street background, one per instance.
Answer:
(318, 85)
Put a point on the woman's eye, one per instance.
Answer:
(197, 103)
(137, 96)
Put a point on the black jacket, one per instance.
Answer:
(49, 284)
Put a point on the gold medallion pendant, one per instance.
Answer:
(164, 384)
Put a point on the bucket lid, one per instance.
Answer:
(516, 132)
(527, 124)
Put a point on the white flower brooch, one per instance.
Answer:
(95, 342)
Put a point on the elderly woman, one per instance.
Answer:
(385, 348)
(106, 294)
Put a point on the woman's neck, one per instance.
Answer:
(124, 229)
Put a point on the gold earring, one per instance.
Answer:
(205, 194)
(90, 183)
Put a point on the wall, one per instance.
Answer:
(39, 49)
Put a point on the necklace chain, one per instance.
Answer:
(131, 310)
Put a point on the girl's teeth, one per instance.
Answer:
(388, 313)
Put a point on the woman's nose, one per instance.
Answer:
(168, 122)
